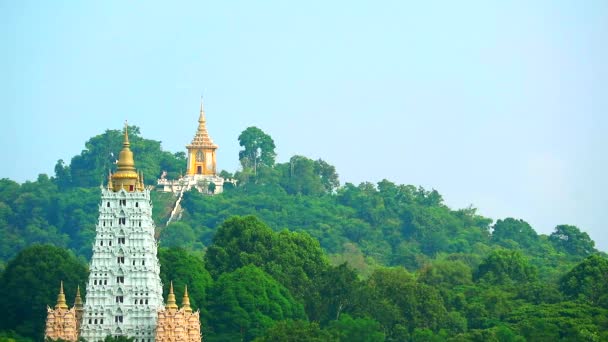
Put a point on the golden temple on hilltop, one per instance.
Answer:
(201, 168)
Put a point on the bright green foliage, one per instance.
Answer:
(185, 268)
(510, 230)
(296, 331)
(505, 266)
(178, 234)
(588, 281)
(400, 304)
(350, 329)
(31, 282)
(294, 259)
(258, 149)
(565, 321)
(573, 241)
(446, 274)
(91, 167)
(246, 302)
(307, 177)
(13, 337)
(162, 204)
(332, 293)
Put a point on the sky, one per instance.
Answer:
(501, 105)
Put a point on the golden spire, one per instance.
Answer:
(201, 137)
(171, 299)
(78, 301)
(61, 304)
(186, 301)
(201, 118)
(126, 176)
(125, 159)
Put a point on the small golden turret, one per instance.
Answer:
(186, 301)
(78, 301)
(61, 304)
(171, 305)
(201, 151)
(126, 176)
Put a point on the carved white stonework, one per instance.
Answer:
(124, 292)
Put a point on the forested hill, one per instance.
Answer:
(415, 268)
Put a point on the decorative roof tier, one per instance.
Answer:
(202, 138)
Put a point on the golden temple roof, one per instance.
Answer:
(186, 301)
(126, 176)
(201, 137)
(61, 304)
(171, 305)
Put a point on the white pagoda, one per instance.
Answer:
(124, 292)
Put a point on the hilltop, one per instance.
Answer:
(390, 257)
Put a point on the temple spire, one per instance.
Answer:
(78, 300)
(126, 176)
(201, 118)
(171, 305)
(186, 301)
(61, 304)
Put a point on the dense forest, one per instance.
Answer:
(290, 254)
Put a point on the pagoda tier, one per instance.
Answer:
(124, 292)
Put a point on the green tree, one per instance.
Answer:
(91, 166)
(349, 329)
(296, 331)
(246, 302)
(519, 231)
(572, 240)
(177, 234)
(294, 259)
(31, 282)
(183, 268)
(446, 274)
(588, 281)
(258, 149)
(505, 267)
(400, 304)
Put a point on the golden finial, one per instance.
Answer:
(186, 301)
(125, 142)
(61, 304)
(125, 176)
(171, 305)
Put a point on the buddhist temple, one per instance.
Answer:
(124, 290)
(201, 167)
(62, 322)
(178, 324)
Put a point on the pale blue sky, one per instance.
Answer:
(498, 104)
